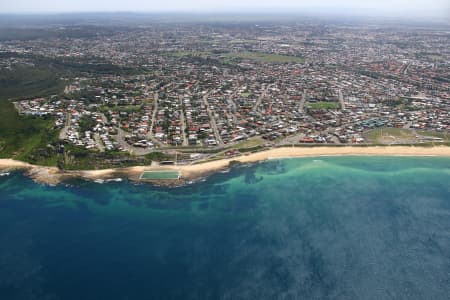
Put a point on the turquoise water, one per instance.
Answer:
(310, 228)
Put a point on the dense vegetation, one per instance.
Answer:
(24, 137)
(77, 158)
(34, 139)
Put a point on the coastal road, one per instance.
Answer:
(233, 105)
(150, 135)
(303, 101)
(341, 99)
(120, 138)
(405, 70)
(63, 132)
(99, 142)
(183, 123)
(260, 98)
(212, 120)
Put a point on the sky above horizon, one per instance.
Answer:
(419, 8)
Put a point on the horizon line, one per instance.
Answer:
(307, 12)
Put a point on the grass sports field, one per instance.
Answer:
(265, 57)
(323, 105)
(160, 175)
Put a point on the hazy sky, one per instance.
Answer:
(426, 8)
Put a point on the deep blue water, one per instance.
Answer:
(310, 228)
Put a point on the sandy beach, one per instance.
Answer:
(193, 171)
(51, 175)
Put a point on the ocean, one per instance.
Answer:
(304, 228)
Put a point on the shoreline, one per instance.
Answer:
(193, 172)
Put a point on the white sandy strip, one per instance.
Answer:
(291, 152)
(46, 174)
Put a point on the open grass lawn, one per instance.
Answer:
(265, 57)
(442, 135)
(250, 143)
(229, 57)
(121, 108)
(383, 135)
(403, 136)
(323, 105)
(202, 54)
